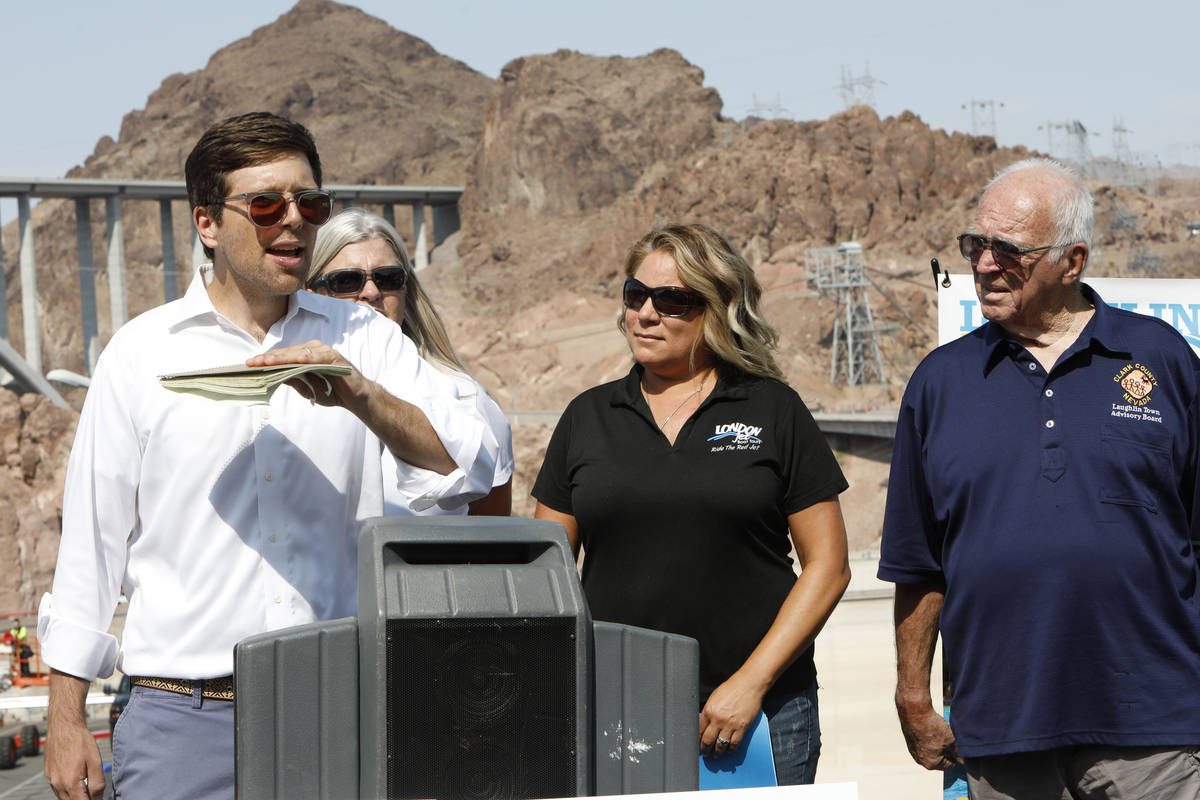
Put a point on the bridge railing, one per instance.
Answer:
(443, 201)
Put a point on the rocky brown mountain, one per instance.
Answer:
(384, 107)
(35, 438)
(566, 159)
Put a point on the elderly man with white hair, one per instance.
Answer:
(1042, 514)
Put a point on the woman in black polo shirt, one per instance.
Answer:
(687, 481)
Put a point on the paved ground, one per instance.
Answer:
(861, 740)
(27, 782)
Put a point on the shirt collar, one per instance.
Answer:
(1101, 332)
(196, 304)
(731, 383)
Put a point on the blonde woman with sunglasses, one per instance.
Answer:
(688, 481)
(360, 256)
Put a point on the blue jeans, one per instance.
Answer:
(795, 736)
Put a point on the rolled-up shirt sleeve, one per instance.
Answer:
(493, 460)
(455, 418)
(99, 515)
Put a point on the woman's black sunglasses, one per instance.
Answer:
(267, 209)
(351, 281)
(669, 301)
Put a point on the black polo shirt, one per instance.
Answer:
(1059, 507)
(691, 538)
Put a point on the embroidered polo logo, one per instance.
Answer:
(1138, 382)
(735, 436)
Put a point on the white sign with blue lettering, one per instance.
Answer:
(1176, 301)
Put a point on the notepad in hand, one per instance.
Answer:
(252, 384)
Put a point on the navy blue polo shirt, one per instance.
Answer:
(1060, 510)
(691, 537)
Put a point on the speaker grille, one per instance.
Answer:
(481, 708)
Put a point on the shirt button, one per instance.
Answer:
(272, 537)
(1049, 423)
(269, 476)
(278, 599)
(266, 413)
(1049, 393)
(1032, 366)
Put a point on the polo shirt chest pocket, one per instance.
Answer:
(1136, 464)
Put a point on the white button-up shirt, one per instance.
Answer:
(404, 493)
(223, 519)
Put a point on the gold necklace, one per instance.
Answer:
(699, 389)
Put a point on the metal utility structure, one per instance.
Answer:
(1123, 224)
(768, 110)
(981, 124)
(1184, 154)
(839, 271)
(1125, 169)
(1077, 140)
(1120, 142)
(858, 90)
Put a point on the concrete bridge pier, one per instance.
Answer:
(87, 283)
(29, 309)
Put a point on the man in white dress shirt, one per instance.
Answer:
(225, 519)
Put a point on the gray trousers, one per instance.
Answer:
(173, 745)
(1088, 772)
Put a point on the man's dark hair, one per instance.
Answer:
(246, 140)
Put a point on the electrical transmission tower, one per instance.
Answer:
(764, 110)
(1124, 168)
(839, 271)
(1185, 154)
(1077, 148)
(858, 90)
(1123, 224)
(983, 125)
(1120, 142)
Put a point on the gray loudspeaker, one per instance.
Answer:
(479, 637)
(296, 712)
(647, 696)
(470, 673)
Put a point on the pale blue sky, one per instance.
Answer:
(68, 76)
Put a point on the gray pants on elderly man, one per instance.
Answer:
(1088, 772)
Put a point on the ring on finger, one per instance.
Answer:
(721, 740)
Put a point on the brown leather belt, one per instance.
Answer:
(210, 688)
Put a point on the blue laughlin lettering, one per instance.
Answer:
(1186, 316)
(968, 308)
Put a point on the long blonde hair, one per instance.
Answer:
(734, 329)
(422, 323)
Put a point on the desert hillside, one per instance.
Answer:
(566, 159)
